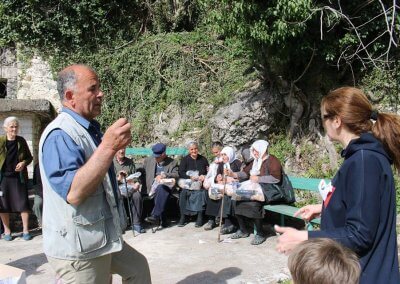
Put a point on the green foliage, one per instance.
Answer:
(281, 147)
(284, 35)
(144, 78)
(383, 86)
(66, 24)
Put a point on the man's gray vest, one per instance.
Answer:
(90, 229)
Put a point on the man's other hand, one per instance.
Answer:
(118, 135)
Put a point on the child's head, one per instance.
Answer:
(323, 261)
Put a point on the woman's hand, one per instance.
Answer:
(20, 166)
(230, 179)
(202, 178)
(254, 178)
(289, 238)
(309, 212)
(228, 172)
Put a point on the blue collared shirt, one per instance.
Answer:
(63, 157)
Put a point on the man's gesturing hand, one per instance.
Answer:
(118, 135)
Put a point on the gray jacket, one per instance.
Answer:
(90, 229)
(170, 169)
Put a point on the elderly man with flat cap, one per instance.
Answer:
(157, 167)
(84, 217)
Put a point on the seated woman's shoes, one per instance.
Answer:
(210, 225)
(258, 240)
(182, 221)
(239, 234)
(228, 229)
(7, 237)
(27, 236)
(199, 221)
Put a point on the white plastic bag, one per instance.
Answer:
(248, 190)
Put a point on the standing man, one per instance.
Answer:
(157, 167)
(124, 167)
(84, 218)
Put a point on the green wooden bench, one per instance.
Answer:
(141, 151)
(299, 183)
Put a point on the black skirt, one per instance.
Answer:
(214, 206)
(249, 209)
(15, 196)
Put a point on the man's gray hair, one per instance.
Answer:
(9, 120)
(66, 80)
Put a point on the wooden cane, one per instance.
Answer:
(222, 209)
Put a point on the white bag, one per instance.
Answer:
(248, 190)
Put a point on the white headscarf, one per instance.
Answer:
(229, 152)
(261, 146)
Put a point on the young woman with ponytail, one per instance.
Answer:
(359, 210)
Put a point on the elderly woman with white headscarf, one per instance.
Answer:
(229, 163)
(265, 168)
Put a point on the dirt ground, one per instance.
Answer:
(175, 255)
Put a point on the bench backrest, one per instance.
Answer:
(141, 151)
(302, 183)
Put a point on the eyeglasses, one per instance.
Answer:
(327, 116)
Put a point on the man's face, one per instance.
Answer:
(87, 96)
(120, 154)
(216, 151)
(161, 158)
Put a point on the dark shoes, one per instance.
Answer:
(153, 220)
(199, 221)
(228, 229)
(182, 221)
(210, 225)
(239, 234)
(258, 240)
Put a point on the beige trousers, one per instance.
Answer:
(131, 265)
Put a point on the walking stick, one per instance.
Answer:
(222, 208)
(129, 203)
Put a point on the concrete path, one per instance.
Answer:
(175, 255)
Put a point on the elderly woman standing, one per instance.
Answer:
(193, 202)
(14, 157)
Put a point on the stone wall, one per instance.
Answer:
(36, 82)
(9, 70)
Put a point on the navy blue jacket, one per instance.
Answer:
(361, 213)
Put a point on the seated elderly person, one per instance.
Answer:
(159, 170)
(125, 166)
(192, 202)
(264, 169)
(229, 163)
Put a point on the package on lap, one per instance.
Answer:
(190, 183)
(130, 184)
(170, 182)
(212, 173)
(249, 190)
(217, 190)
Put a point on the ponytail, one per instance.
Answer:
(387, 130)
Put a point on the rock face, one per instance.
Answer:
(250, 117)
(37, 82)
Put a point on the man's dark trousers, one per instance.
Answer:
(160, 200)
